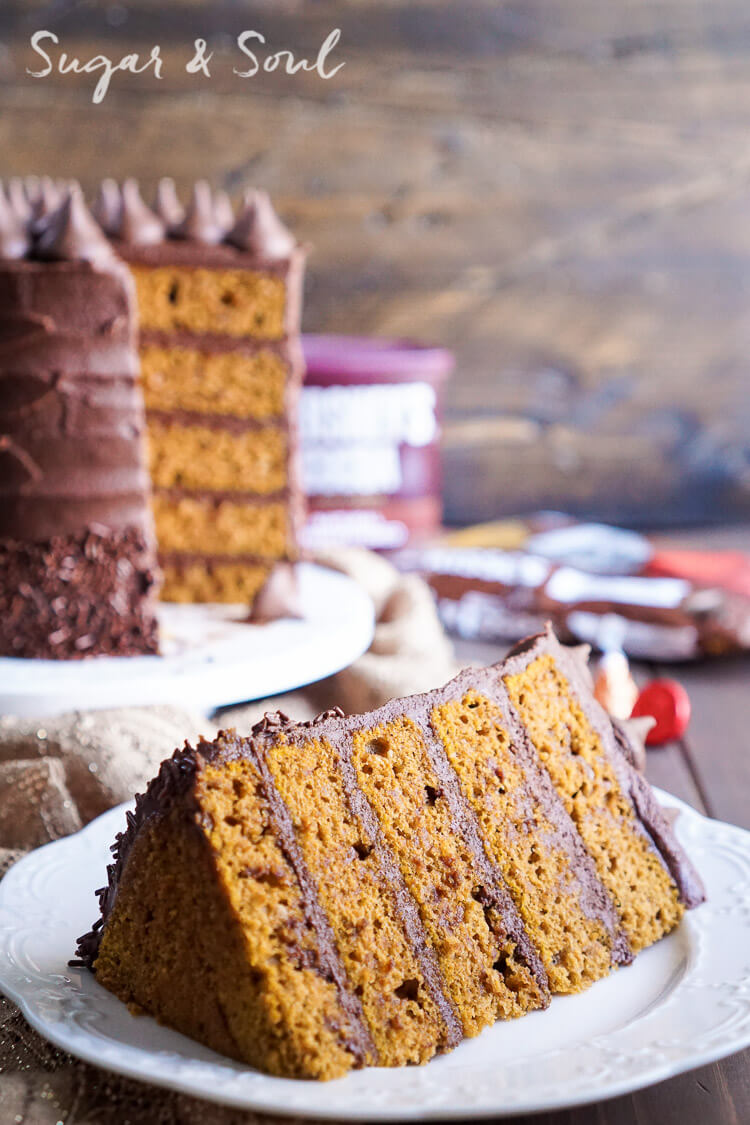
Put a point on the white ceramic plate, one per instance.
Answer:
(210, 657)
(683, 1003)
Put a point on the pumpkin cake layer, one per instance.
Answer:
(210, 455)
(239, 382)
(589, 778)
(233, 302)
(201, 578)
(250, 526)
(381, 886)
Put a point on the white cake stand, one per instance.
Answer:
(210, 656)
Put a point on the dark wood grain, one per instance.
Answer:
(557, 189)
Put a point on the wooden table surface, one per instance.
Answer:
(557, 190)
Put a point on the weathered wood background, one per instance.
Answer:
(559, 190)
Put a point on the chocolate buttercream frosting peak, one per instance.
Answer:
(223, 210)
(200, 223)
(18, 196)
(45, 197)
(259, 230)
(107, 207)
(15, 239)
(635, 731)
(581, 654)
(167, 203)
(71, 233)
(278, 597)
(30, 186)
(139, 225)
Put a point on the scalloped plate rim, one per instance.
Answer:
(276, 1095)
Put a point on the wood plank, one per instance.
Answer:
(718, 739)
(712, 1095)
(556, 190)
(666, 767)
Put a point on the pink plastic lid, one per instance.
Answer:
(373, 359)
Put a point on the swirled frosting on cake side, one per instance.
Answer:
(77, 555)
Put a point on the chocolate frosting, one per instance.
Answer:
(259, 230)
(14, 228)
(278, 597)
(207, 234)
(71, 414)
(167, 204)
(76, 596)
(45, 196)
(70, 233)
(17, 466)
(200, 223)
(18, 196)
(138, 223)
(107, 206)
(223, 210)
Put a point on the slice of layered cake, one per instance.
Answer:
(77, 554)
(381, 886)
(219, 300)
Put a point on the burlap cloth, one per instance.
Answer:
(58, 774)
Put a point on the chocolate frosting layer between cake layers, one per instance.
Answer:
(334, 728)
(650, 817)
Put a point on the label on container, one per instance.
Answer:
(395, 413)
(351, 470)
(357, 527)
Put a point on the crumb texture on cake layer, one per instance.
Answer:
(188, 523)
(484, 977)
(203, 457)
(381, 886)
(219, 296)
(533, 855)
(211, 934)
(585, 776)
(209, 579)
(231, 302)
(404, 1019)
(214, 382)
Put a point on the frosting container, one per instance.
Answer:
(370, 431)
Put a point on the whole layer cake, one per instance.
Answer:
(77, 552)
(219, 302)
(369, 890)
